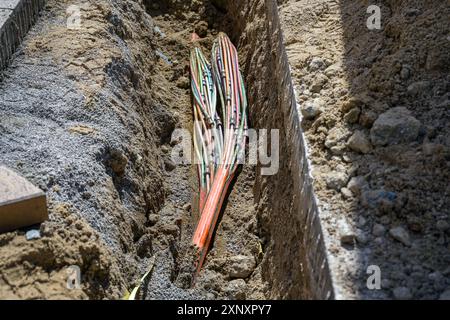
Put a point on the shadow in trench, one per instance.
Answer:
(397, 112)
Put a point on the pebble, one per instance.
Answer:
(33, 234)
(317, 63)
(378, 230)
(359, 142)
(169, 165)
(118, 162)
(336, 180)
(442, 225)
(417, 87)
(357, 185)
(401, 235)
(445, 295)
(395, 126)
(402, 293)
(346, 193)
(183, 83)
(187, 207)
(366, 119)
(240, 266)
(311, 109)
(347, 235)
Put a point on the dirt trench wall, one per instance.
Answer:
(295, 262)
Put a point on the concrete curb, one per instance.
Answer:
(16, 18)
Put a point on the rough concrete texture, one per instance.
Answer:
(16, 18)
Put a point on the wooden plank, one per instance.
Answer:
(21, 203)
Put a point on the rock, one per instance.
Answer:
(201, 28)
(359, 142)
(319, 82)
(153, 219)
(402, 293)
(187, 207)
(183, 83)
(336, 180)
(361, 237)
(351, 103)
(240, 266)
(442, 225)
(395, 126)
(378, 199)
(417, 87)
(357, 185)
(169, 165)
(378, 230)
(165, 149)
(367, 118)
(316, 64)
(405, 73)
(445, 295)
(33, 234)
(414, 224)
(401, 235)
(311, 109)
(347, 235)
(235, 289)
(335, 136)
(346, 193)
(352, 116)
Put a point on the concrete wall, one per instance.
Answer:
(16, 18)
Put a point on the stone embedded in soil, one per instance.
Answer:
(336, 180)
(169, 165)
(351, 103)
(395, 126)
(367, 118)
(352, 116)
(311, 109)
(317, 63)
(118, 162)
(240, 266)
(183, 83)
(401, 235)
(445, 295)
(359, 142)
(33, 234)
(346, 233)
(402, 293)
(235, 289)
(346, 193)
(442, 225)
(418, 87)
(335, 136)
(378, 199)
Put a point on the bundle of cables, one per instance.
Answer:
(220, 130)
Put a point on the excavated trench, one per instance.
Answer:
(116, 197)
